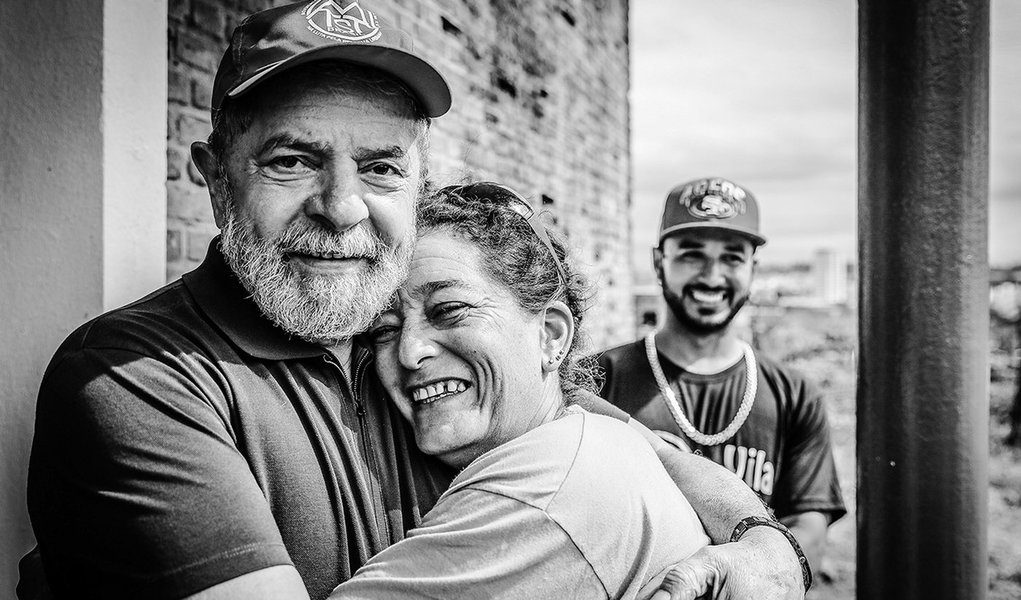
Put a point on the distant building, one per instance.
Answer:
(831, 275)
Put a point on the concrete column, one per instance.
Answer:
(923, 374)
(83, 93)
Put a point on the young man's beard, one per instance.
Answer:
(696, 325)
(320, 308)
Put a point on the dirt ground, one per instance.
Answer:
(822, 345)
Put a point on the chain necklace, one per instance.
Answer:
(750, 387)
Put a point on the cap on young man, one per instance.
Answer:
(711, 203)
(272, 41)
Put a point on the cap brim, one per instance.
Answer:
(425, 82)
(755, 238)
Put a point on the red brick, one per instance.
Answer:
(199, 51)
(177, 10)
(191, 128)
(188, 203)
(201, 92)
(177, 86)
(176, 160)
(209, 16)
(174, 245)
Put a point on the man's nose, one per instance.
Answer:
(339, 204)
(415, 348)
(712, 271)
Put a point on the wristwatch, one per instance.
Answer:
(749, 522)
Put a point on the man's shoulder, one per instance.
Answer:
(167, 326)
(782, 373)
(790, 385)
(624, 354)
(165, 316)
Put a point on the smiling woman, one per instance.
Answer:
(477, 353)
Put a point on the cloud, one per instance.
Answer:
(765, 93)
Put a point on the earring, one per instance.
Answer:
(555, 359)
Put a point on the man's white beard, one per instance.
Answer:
(321, 308)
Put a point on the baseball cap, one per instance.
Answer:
(272, 41)
(711, 203)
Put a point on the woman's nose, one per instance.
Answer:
(415, 348)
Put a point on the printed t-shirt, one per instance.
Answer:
(783, 450)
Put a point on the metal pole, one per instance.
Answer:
(923, 374)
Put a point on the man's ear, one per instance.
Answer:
(557, 335)
(209, 166)
(657, 263)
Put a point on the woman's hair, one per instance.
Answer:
(508, 234)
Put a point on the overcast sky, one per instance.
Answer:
(764, 93)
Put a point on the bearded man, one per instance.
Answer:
(696, 383)
(225, 437)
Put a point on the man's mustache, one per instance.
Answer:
(308, 238)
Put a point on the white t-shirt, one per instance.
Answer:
(580, 507)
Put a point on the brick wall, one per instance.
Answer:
(540, 103)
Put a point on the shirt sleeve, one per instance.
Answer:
(810, 483)
(477, 544)
(136, 487)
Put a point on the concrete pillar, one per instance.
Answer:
(923, 374)
(83, 97)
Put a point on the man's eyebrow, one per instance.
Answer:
(286, 140)
(689, 244)
(734, 247)
(366, 154)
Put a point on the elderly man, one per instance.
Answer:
(223, 437)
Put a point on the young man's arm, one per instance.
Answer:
(810, 529)
(808, 497)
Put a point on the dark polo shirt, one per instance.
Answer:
(183, 440)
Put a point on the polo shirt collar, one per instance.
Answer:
(230, 307)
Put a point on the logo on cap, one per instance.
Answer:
(713, 199)
(350, 23)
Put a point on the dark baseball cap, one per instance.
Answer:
(711, 203)
(272, 41)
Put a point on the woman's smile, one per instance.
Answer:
(438, 390)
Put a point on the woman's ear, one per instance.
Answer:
(557, 335)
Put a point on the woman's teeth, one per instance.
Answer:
(707, 297)
(435, 391)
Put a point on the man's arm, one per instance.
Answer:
(717, 495)
(808, 497)
(810, 529)
(136, 487)
(762, 565)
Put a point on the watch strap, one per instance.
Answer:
(749, 522)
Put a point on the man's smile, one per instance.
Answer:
(322, 261)
(702, 294)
